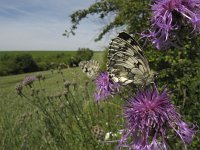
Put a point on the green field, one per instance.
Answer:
(23, 122)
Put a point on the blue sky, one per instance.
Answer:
(39, 24)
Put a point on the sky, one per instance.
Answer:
(39, 24)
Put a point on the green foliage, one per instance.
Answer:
(130, 14)
(17, 64)
(74, 61)
(82, 54)
(178, 69)
(22, 62)
(103, 66)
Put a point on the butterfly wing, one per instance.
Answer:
(126, 61)
(91, 68)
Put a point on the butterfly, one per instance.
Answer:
(91, 68)
(127, 63)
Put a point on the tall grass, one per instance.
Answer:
(62, 116)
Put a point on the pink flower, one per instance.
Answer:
(166, 19)
(150, 117)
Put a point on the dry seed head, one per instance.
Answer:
(19, 88)
(98, 133)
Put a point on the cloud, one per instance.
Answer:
(38, 25)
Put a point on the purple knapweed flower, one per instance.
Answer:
(105, 87)
(28, 80)
(151, 118)
(167, 18)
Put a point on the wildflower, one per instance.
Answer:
(19, 88)
(168, 17)
(150, 118)
(105, 87)
(29, 80)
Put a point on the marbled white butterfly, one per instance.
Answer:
(127, 63)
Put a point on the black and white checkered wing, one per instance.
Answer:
(90, 68)
(126, 61)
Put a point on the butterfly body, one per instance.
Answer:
(127, 63)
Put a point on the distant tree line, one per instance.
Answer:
(24, 62)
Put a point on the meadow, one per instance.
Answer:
(25, 121)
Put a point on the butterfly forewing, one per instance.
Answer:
(126, 61)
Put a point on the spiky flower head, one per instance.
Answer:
(28, 80)
(168, 17)
(105, 87)
(150, 119)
